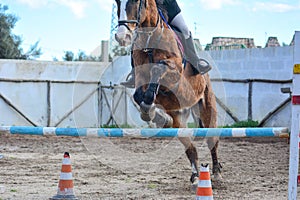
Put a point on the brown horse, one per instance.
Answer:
(166, 90)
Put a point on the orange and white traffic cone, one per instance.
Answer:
(65, 185)
(204, 189)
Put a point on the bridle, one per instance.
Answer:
(134, 21)
(138, 32)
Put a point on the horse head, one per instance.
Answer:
(130, 15)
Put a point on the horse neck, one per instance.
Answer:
(161, 37)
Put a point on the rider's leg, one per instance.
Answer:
(130, 82)
(201, 66)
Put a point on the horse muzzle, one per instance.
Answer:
(123, 36)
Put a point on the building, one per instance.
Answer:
(272, 42)
(220, 43)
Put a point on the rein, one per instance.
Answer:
(149, 34)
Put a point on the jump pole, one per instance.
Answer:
(147, 132)
(294, 138)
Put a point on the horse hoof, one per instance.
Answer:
(194, 185)
(146, 117)
(217, 177)
(162, 119)
(219, 183)
(147, 112)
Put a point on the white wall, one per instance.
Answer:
(47, 92)
(273, 63)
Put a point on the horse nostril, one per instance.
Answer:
(117, 38)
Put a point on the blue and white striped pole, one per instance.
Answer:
(147, 132)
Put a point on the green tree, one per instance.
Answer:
(81, 56)
(284, 44)
(10, 44)
(69, 56)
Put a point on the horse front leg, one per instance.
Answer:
(156, 73)
(152, 112)
(146, 98)
(147, 91)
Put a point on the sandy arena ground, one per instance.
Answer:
(253, 168)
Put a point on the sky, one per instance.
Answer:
(81, 25)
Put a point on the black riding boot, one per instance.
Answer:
(199, 65)
(130, 80)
